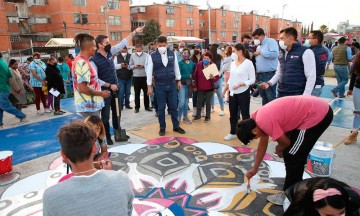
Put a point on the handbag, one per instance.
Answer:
(215, 85)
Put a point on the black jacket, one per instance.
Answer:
(54, 78)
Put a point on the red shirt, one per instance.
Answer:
(200, 81)
(69, 62)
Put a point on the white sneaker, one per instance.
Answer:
(194, 112)
(47, 111)
(222, 113)
(230, 137)
(39, 112)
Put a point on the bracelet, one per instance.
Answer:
(269, 83)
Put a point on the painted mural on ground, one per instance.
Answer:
(172, 176)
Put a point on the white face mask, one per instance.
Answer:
(123, 54)
(256, 42)
(282, 44)
(59, 63)
(234, 56)
(181, 50)
(139, 53)
(162, 50)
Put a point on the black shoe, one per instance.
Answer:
(162, 132)
(109, 141)
(136, 110)
(129, 107)
(196, 118)
(148, 109)
(179, 130)
(334, 92)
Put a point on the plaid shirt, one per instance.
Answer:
(40, 70)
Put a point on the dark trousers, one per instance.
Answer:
(140, 84)
(201, 97)
(301, 143)
(167, 94)
(57, 102)
(105, 114)
(239, 102)
(39, 95)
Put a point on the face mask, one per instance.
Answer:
(256, 42)
(307, 43)
(196, 52)
(234, 56)
(185, 56)
(59, 63)
(123, 54)
(222, 49)
(206, 62)
(162, 50)
(181, 50)
(37, 60)
(282, 45)
(139, 53)
(107, 48)
(191, 52)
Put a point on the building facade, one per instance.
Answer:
(250, 22)
(36, 21)
(277, 24)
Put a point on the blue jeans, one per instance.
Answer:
(167, 93)
(316, 92)
(5, 105)
(183, 96)
(342, 77)
(218, 92)
(356, 99)
(269, 94)
(124, 92)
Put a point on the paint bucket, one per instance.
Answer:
(5, 162)
(320, 159)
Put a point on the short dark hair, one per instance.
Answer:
(12, 61)
(290, 32)
(318, 35)
(77, 141)
(241, 47)
(342, 40)
(245, 36)
(354, 39)
(60, 59)
(99, 39)
(36, 54)
(208, 54)
(138, 46)
(244, 130)
(70, 55)
(30, 59)
(258, 32)
(81, 41)
(1, 55)
(161, 39)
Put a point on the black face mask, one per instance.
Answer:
(55, 64)
(196, 52)
(107, 48)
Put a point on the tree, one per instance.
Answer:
(324, 29)
(151, 31)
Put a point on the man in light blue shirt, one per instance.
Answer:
(266, 56)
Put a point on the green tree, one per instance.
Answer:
(151, 31)
(324, 29)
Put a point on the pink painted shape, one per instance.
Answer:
(66, 177)
(34, 213)
(164, 202)
(168, 139)
(248, 150)
(57, 162)
(172, 182)
(186, 140)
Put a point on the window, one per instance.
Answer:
(170, 10)
(257, 17)
(223, 34)
(257, 26)
(189, 8)
(190, 33)
(137, 24)
(223, 13)
(14, 38)
(190, 21)
(170, 34)
(80, 18)
(223, 23)
(42, 38)
(116, 36)
(202, 23)
(114, 20)
(201, 13)
(236, 34)
(13, 19)
(79, 2)
(236, 24)
(114, 4)
(170, 23)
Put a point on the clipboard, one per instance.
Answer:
(211, 69)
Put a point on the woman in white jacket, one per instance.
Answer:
(242, 75)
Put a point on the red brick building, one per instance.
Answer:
(277, 24)
(225, 25)
(174, 19)
(39, 20)
(250, 22)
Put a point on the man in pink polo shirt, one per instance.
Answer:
(295, 123)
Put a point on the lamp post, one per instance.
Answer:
(208, 4)
(282, 16)
(103, 9)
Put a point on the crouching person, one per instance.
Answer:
(89, 191)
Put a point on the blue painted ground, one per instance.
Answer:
(39, 139)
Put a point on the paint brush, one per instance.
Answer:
(248, 187)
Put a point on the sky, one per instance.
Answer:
(306, 11)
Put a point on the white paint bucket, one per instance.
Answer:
(320, 159)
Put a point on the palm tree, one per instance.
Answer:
(324, 29)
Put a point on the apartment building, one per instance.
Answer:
(277, 24)
(225, 24)
(174, 19)
(36, 21)
(252, 21)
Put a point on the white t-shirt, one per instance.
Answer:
(244, 73)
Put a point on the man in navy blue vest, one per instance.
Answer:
(103, 63)
(321, 53)
(162, 64)
(296, 73)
